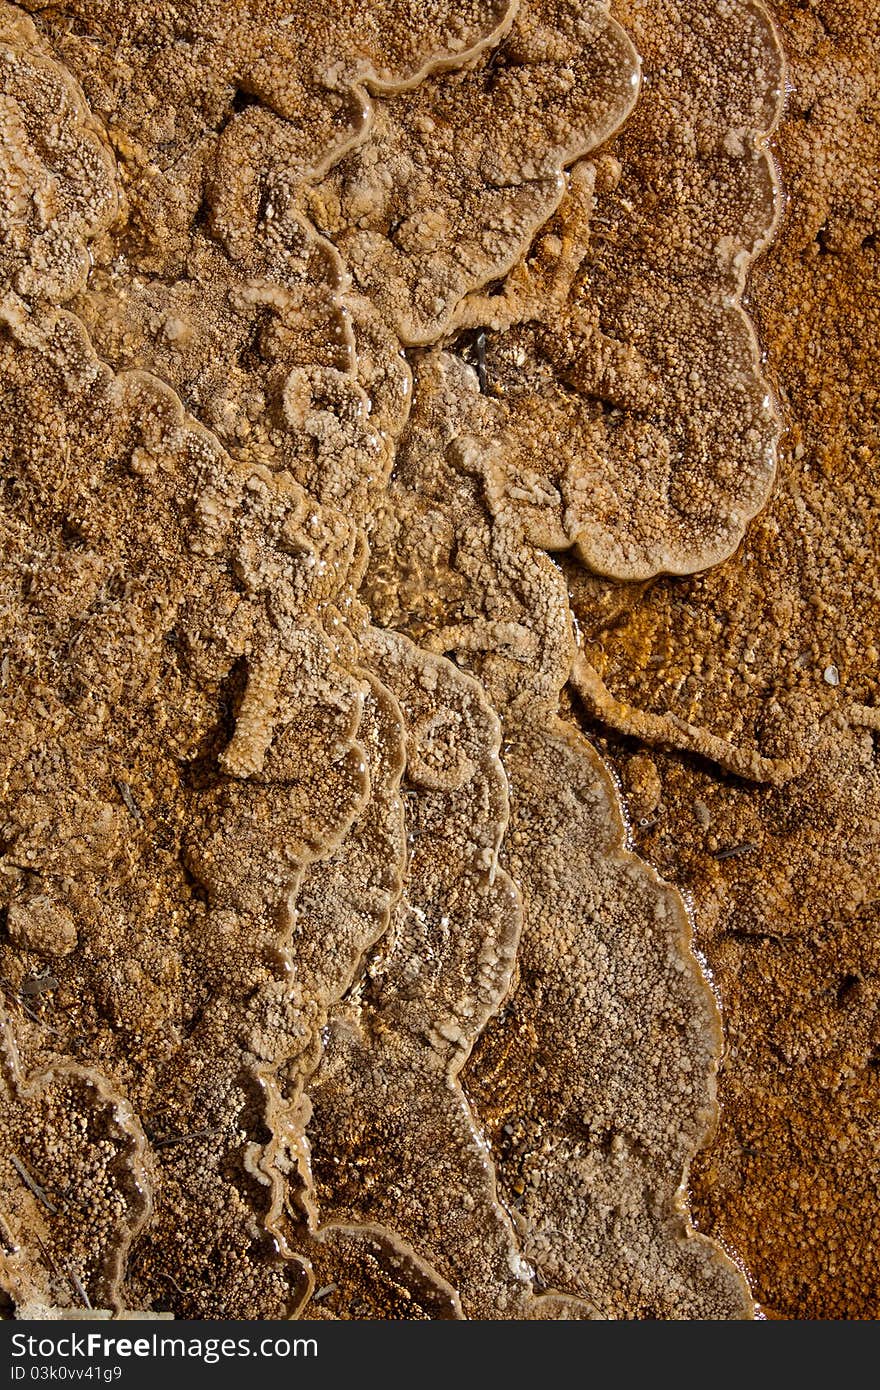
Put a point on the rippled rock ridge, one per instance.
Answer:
(379, 384)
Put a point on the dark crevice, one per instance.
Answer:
(822, 241)
(471, 348)
(849, 990)
(202, 773)
(242, 100)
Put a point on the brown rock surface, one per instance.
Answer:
(778, 650)
(367, 374)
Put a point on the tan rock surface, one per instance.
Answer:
(367, 372)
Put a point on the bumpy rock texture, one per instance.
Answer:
(405, 649)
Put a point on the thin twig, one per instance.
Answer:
(75, 1281)
(163, 1274)
(130, 803)
(180, 1138)
(32, 1183)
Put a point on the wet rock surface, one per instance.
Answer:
(437, 660)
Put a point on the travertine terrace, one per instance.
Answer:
(439, 796)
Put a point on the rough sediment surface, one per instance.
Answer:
(428, 616)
